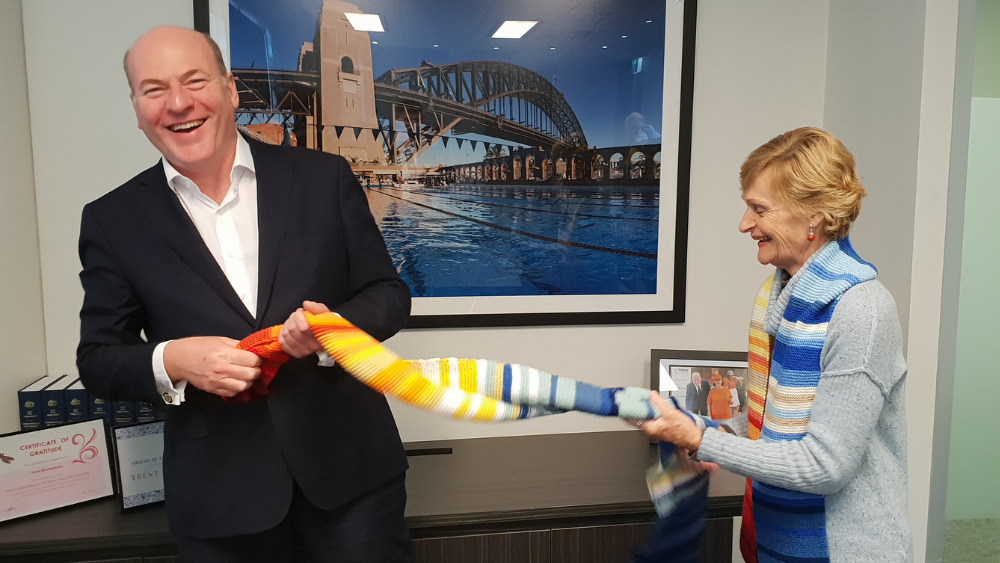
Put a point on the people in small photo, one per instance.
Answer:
(718, 399)
(696, 398)
(740, 384)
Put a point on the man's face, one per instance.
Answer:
(183, 103)
(696, 378)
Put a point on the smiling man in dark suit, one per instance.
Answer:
(221, 238)
(697, 395)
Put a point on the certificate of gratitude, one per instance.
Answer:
(53, 467)
(139, 450)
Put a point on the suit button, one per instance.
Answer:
(168, 398)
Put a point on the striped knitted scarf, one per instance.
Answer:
(485, 390)
(784, 371)
(460, 388)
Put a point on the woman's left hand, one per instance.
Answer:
(672, 426)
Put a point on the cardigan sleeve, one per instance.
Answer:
(862, 361)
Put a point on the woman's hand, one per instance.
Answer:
(672, 426)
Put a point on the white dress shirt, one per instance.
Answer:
(229, 229)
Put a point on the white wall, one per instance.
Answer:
(84, 133)
(873, 106)
(22, 339)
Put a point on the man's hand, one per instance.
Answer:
(211, 363)
(296, 338)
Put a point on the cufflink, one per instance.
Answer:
(168, 398)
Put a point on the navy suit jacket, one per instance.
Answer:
(697, 397)
(148, 277)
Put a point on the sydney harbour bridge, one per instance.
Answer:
(383, 124)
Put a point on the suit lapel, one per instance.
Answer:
(164, 214)
(273, 193)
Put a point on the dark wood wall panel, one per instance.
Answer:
(717, 543)
(514, 547)
(598, 544)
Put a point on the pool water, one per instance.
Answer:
(496, 240)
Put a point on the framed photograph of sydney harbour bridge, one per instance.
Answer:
(526, 161)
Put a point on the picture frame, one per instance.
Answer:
(139, 463)
(670, 372)
(53, 467)
(529, 256)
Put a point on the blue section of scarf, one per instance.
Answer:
(791, 525)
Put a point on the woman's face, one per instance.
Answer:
(782, 237)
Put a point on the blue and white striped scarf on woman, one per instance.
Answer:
(790, 525)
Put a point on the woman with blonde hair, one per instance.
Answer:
(823, 441)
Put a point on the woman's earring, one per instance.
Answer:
(812, 235)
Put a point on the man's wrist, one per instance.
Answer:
(171, 391)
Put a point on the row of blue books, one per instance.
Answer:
(55, 400)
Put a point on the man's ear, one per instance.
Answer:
(234, 94)
(138, 124)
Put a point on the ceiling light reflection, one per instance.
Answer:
(513, 29)
(365, 22)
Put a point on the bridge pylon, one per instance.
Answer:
(347, 91)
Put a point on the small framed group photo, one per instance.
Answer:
(709, 383)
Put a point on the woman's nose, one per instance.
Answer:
(746, 223)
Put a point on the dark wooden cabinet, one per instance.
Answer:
(585, 544)
(568, 498)
(522, 547)
(598, 544)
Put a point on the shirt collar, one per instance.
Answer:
(242, 162)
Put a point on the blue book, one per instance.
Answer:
(54, 401)
(122, 412)
(145, 412)
(29, 400)
(77, 402)
(100, 408)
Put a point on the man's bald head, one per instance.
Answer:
(179, 32)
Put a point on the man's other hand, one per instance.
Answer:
(212, 364)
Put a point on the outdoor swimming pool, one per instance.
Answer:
(499, 240)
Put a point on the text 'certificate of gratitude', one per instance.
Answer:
(53, 467)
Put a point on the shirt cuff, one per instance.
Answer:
(325, 359)
(172, 394)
